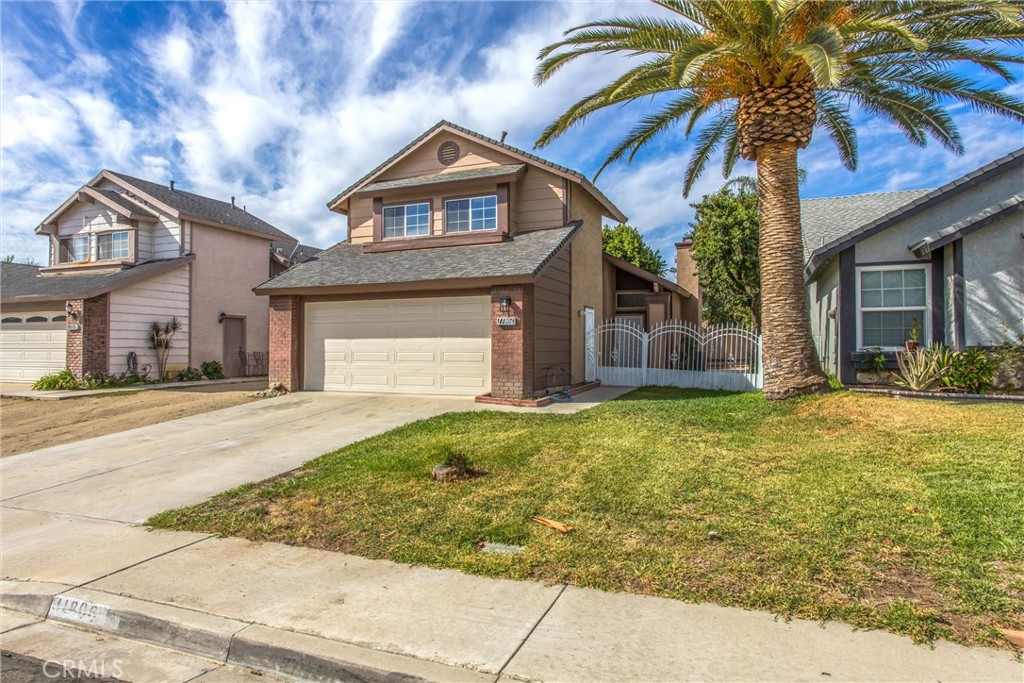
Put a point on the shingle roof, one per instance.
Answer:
(293, 252)
(346, 264)
(926, 199)
(23, 282)
(830, 219)
(122, 201)
(579, 177)
(446, 177)
(203, 208)
(968, 225)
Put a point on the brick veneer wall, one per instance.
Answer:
(285, 341)
(512, 347)
(88, 346)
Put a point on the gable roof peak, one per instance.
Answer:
(444, 124)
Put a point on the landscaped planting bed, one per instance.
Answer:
(903, 515)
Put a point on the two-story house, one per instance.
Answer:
(470, 267)
(124, 253)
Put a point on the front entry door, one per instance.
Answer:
(234, 342)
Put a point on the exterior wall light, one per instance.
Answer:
(69, 309)
(505, 302)
(221, 316)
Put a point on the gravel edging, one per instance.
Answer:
(941, 396)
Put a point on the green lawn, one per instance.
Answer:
(899, 514)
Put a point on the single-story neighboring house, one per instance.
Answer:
(126, 252)
(946, 262)
(470, 267)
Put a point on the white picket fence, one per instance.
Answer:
(675, 353)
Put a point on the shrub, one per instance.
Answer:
(877, 361)
(969, 370)
(189, 375)
(834, 382)
(212, 369)
(58, 380)
(918, 370)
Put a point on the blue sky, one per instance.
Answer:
(284, 104)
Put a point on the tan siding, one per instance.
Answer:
(586, 270)
(552, 314)
(134, 308)
(423, 161)
(539, 199)
(166, 235)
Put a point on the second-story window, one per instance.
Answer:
(407, 220)
(112, 245)
(471, 214)
(74, 249)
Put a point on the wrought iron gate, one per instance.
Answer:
(675, 353)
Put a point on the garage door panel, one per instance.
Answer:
(436, 345)
(30, 350)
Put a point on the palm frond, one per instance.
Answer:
(708, 142)
(835, 119)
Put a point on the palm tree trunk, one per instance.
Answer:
(790, 360)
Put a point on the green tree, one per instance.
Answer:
(625, 242)
(725, 234)
(763, 75)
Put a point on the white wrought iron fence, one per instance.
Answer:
(675, 353)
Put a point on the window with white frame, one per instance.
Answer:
(892, 300)
(407, 220)
(112, 245)
(471, 214)
(74, 249)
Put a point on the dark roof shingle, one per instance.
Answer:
(830, 219)
(347, 264)
(204, 208)
(20, 281)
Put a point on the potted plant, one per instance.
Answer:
(912, 337)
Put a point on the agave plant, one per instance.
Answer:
(763, 75)
(918, 370)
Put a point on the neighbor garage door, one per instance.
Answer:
(411, 346)
(32, 345)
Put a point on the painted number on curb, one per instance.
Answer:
(83, 612)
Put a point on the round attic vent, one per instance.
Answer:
(448, 153)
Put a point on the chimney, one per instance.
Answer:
(504, 134)
(233, 202)
(686, 272)
(172, 185)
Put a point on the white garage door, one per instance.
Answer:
(32, 345)
(411, 346)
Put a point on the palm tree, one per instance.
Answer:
(764, 74)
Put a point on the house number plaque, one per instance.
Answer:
(508, 321)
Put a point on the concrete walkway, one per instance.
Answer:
(74, 554)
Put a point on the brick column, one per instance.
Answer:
(285, 341)
(88, 347)
(512, 347)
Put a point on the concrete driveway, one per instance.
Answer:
(128, 476)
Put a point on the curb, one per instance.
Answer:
(230, 641)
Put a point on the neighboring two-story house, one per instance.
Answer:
(471, 267)
(126, 252)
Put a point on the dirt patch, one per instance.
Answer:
(29, 425)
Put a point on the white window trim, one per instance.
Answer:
(926, 322)
(470, 200)
(128, 244)
(405, 232)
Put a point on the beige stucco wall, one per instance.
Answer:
(587, 271)
(227, 267)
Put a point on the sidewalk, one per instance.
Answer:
(311, 614)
